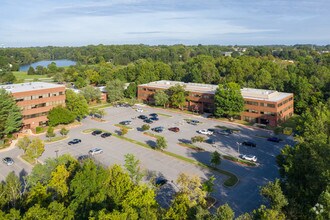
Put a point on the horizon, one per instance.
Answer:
(165, 22)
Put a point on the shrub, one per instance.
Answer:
(197, 139)
(145, 127)
(123, 131)
(60, 115)
(40, 130)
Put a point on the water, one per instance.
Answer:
(45, 63)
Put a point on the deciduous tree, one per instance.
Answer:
(161, 143)
(116, 90)
(161, 98)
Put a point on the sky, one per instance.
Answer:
(25, 23)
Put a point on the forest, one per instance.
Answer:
(302, 192)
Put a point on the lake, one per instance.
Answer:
(45, 63)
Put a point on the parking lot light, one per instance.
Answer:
(56, 151)
(238, 146)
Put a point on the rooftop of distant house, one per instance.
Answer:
(247, 93)
(30, 86)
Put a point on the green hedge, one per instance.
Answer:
(40, 130)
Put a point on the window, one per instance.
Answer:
(40, 96)
(251, 103)
(270, 105)
(262, 104)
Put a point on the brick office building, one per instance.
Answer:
(261, 106)
(36, 99)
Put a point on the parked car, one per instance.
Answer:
(212, 130)
(106, 134)
(195, 121)
(154, 118)
(96, 132)
(210, 141)
(153, 115)
(160, 181)
(225, 132)
(205, 131)
(158, 129)
(95, 151)
(97, 116)
(274, 139)
(149, 121)
(249, 158)
(139, 110)
(174, 129)
(228, 131)
(74, 141)
(192, 123)
(142, 117)
(249, 143)
(8, 161)
(125, 122)
(82, 157)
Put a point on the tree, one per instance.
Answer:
(161, 143)
(76, 104)
(133, 167)
(64, 131)
(161, 98)
(10, 114)
(215, 158)
(145, 127)
(208, 185)
(116, 90)
(12, 189)
(80, 83)
(197, 139)
(273, 192)
(224, 212)
(60, 115)
(50, 132)
(59, 181)
(130, 92)
(91, 93)
(36, 148)
(177, 96)
(123, 131)
(31, 71)
(228, 100)
(24, 143)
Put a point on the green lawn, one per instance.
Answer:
(23, 76)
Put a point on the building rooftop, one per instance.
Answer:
(247, 93)
(30, 86)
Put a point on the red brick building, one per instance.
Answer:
(261, 106)
(36, 99)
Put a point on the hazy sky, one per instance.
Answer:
(83, 22)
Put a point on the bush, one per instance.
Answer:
(60, 115)
(197, 139)
(145, 127)
(9, 135)
(40, 130)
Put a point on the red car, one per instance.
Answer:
(174, 129)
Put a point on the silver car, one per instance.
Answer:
(95, 151)
(8, 161)
(249, 158)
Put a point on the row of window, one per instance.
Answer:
(34, 97)
(285, 109)
(35, 115)
(261, 104)
(261, 112)
(53, 103)
(284, 102)
(200, 96)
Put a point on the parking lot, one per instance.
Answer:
(242, 198)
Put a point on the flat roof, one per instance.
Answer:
(30, 86)
(247, 93)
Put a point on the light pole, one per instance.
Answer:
(56, 151)
(238, 146)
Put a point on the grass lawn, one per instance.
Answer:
(54, 139)
(123, 126)
(165, 115)
(152, 134)
(191, 146)
(25, 77)
(29, 159)
(252, 164)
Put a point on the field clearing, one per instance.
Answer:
(23, 76)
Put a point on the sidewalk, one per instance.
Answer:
(12, 146)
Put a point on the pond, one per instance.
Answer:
(45, 63)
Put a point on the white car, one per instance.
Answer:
(205, 131)
(139, 110)
(249, 157)
(95, 151)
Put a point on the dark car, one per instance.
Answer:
(249, 144)
(96, 132)
(274, 139)
(83, 157)
(192, 123)
(212, 130)
(154, 118)
(153, 115)
(228, 131)
(74, 141)
(125, 122)
(142, 117)
(97, 116)
(158, 129)
(210, 141)
(8, 161)
(174, 129)
(149, 121)
(160, 181)
(106, 134)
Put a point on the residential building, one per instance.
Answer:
(36, 99)
(261, 106)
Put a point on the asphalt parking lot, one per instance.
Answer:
(242, 198)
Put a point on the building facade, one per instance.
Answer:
(36, 99)
(261, 106)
